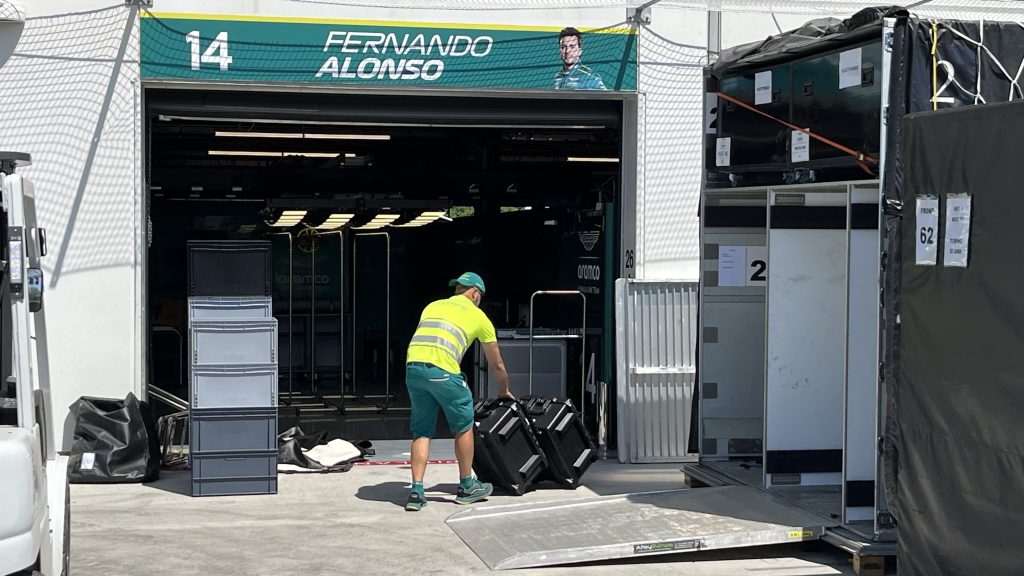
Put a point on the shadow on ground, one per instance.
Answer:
(396, 493)
(173, 481)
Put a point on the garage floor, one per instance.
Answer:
(353, 523)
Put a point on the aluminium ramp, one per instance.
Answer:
(623, 526)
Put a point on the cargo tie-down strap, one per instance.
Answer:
(862, 159)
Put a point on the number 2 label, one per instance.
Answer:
(216, 52)
(757, 265)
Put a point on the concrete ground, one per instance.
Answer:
(353, 523)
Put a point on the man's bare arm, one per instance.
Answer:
(493, 354)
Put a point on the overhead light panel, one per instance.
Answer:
(290, 218)
(268, 154)
(302, 135)
(335, 221)
(168, 117)
(379, 221)
(592, 159)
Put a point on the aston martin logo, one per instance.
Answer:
(589, 239)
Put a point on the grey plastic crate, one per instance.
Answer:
(233, 430)
(234, 387)
(229, 267)
(234, 474)
(234, 307)
(233, 342)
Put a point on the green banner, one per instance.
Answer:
(392, 54)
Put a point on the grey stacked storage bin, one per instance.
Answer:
(233, 371)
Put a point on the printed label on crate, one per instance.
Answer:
(926, 232)
(801, 146)
(958, 230)
(763, 88)
(801, 534)
(711, 113)
(672, 546)
(849, 68)
(742, 265)
(723, 152)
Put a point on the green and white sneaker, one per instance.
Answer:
(475, 493)
(416, 502)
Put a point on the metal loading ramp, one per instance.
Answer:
(628, 525)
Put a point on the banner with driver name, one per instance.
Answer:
(388, 54)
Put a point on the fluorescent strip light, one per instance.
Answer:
(290, 218)
(243, 153)
(300, 136)
(273, 154)
(350, 155)
(236, 188)
(378, 137)
(335, 221)
(422, 220)
(197, 188)
(313, 154)
(591, 159)
(296, 135)
(379, 221)
(154, 188)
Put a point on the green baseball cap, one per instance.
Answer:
(470, 280)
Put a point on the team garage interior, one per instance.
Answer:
(372, 203)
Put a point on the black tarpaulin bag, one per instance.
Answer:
(293, 445)
(115, 442)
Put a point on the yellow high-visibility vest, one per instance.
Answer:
(446, 330)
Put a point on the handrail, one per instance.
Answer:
(167, 398)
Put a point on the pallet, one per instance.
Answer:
(868, 565)
(868, 558)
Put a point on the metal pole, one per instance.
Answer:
(602, 420)
(341, 316)
(529, 373)
(312, 314)
(387, 327)
(583, 361)
(291, 323)
(355, 262)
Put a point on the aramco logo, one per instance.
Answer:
(589, 239)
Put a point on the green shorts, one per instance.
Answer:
(431, 388)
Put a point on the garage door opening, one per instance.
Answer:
(372, 204)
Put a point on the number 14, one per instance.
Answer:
(216, 52)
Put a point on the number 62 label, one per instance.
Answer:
(927, 230)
